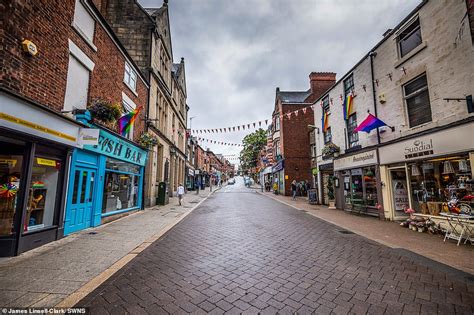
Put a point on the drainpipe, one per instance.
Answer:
(372, 55)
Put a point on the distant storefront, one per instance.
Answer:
(105, 179)
(278, 171)
(358, 175)
(426, 171)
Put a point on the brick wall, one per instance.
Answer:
(43, 77)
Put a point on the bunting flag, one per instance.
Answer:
(347, 106)
(325, 121)
(218, 142)
(127, 120)
(259, 123)
(370, 123)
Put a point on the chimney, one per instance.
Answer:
(320, 82)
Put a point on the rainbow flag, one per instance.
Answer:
(127, 120)
(347, 106)
(325, 121)
(370, 123)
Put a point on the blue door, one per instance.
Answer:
(80, 200)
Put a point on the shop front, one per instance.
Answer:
(35, 149)
(105, 180)
(278, 171)
(190, 179)
(428, 172)
(358, 175)
(326, 171)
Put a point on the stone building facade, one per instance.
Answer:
(418, 81)
(146, 34)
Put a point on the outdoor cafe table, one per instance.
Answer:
(460, 226)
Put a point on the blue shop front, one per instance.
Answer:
(105, 179)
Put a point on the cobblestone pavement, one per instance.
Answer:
(240, 252)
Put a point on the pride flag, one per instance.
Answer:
(347, 106)
(370, 123)
(127, 120)
(325, 121)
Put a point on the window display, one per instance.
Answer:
(437, 185)
(122, 182)
(42, 194)
(10, 175)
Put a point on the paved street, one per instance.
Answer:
(241, 252)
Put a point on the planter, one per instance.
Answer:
(332, 204)
(421, 229)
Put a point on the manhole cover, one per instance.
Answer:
(345, 232)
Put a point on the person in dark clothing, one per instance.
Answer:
(308, 187)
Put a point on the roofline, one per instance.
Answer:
(396, 28)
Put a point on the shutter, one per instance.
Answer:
(419, 109)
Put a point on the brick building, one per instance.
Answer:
(291, 144)
(53, 68)
(418, 81)
(146, 35)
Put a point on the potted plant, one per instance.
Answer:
(331, 199)
(147, 140)
(330, 149)
(105, 111)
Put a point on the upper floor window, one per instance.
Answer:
(130, 77)
(83, 22)
(409, 38)
(418, 101)
(277, 123)
(352, 135)
(327, 135)
(326, 104)
(348, 85)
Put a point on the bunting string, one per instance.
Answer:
(202, 140)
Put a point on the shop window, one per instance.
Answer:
(10, 176)
(352, 135)
(277, 123)
(130, 77)
(122, 181)
(370, 185)
(357, 190)
(418, 101)
(327, 136)
(348, 85)
(409, 38)
(43, 190)
(437, 181)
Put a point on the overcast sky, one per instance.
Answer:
(238, 52)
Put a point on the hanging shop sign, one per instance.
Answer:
(30, 119)
(190, 172)
(356, 160)
(453, 140)
(279, 166)
(118, 148)
(89, 136)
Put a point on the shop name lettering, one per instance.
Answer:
(419, 148)
(115, 148)
(363, 157)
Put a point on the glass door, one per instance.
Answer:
(10, 177)
(399, 184)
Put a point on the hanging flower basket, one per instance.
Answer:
(330, 149)
(105, 111)
(147, 140)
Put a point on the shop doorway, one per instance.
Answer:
(400, 196)
(81, 201)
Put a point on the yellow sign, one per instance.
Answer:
(286, 176)
(25, 123)
(10, 163)
(46, 162)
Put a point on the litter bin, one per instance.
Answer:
(163, 196)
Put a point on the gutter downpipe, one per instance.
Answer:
(372, 55)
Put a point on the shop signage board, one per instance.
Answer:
(453, 140)
(30, 119)
(356, 160)
(279, 166)
(190, 172)
(117, 148)
(89, 136)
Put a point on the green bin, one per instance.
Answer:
(163, 197)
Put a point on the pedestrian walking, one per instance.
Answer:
(180, 193)
(198, 185)
(293, 189)
(308, 187)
